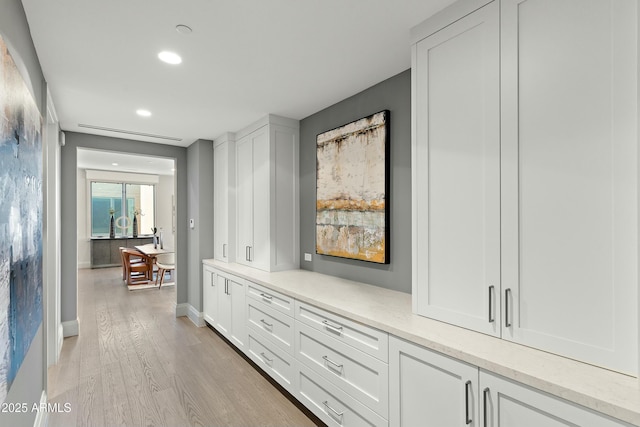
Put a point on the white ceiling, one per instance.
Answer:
(244, 59)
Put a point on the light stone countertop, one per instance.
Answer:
(602, 390)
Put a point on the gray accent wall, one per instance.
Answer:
(393, 94)
(200, 200)
(69, 196)
(30, 381)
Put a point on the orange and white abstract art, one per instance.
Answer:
(351, 190)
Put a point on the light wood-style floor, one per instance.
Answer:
(136, 364)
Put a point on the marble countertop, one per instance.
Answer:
(602, 390)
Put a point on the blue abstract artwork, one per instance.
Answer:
(21, 205)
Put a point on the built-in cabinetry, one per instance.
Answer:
(525, 174)
(430, 389)
(337, 358)
(223, 197)
(209, 295)
(350, 373)
(231, 320)
(266, 178)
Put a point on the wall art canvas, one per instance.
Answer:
(352, 185)
(20, 220)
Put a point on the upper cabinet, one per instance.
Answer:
(525, 174)
(223, 197)
(267, 213)
(456, 172)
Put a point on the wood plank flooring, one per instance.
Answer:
(136, 364)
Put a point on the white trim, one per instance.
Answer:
(84, 264)
(195, 316)
(182, 310)
(126, 177)
(60, 341)
(42, 416)
(71, 328)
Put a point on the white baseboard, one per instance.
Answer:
(42, 415)
(86, 264)
(71, 328)
(195, 316)
(182, 310)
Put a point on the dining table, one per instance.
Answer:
(152, 251)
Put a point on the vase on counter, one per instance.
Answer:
(112, 228)
(135, 226)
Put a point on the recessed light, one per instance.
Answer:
(183, 29)
(114, 164)
(143, 113)
(170, 57)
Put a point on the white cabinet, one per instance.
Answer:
(223, 198)
(231, 322)
(209, 295)
(525, 174)
(508, 404)
(456, 173)
(267, 218)
(429, 389)
(570, 178)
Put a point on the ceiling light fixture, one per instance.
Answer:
(183, 29)
(114, 164)
(169, 57)
(143, 113)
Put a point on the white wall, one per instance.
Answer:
(164, 218)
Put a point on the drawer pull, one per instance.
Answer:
(337, 414)
(264, 356)
(467, 391)
(331, 362)
(267, 297)
(485, 397)
(269, 325)
(331, 327)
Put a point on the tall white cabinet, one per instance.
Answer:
(525, 174)
(267, 212)
(223, 198)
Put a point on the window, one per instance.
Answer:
(121, 199)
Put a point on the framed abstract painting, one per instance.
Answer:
(20, 220)
(352, 190)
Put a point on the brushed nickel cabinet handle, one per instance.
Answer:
(467, 390)
(485, 406)
(338, 414)
(491, 298)
(507, 311)
(264, 356)
(269, 325)
(331, 327)
(331, 362)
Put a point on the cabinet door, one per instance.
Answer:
(220, 202)
(223, 321)
(429, 389)
(209, 295)
(238, 330)
(569, 178)
(509, 404)
(456, 173)
(244, 198)
(260, 250)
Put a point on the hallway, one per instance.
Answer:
(135, 364)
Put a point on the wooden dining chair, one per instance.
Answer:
(138, 267)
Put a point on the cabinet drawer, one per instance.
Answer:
(278, 364)
(364, 338)
(362, 376)
(271, 323)
(332, 405)
(282, 303)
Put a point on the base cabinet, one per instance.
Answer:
(209, 295)
(509, 404)
(231, 320)
(429, 389)
(331, 404)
